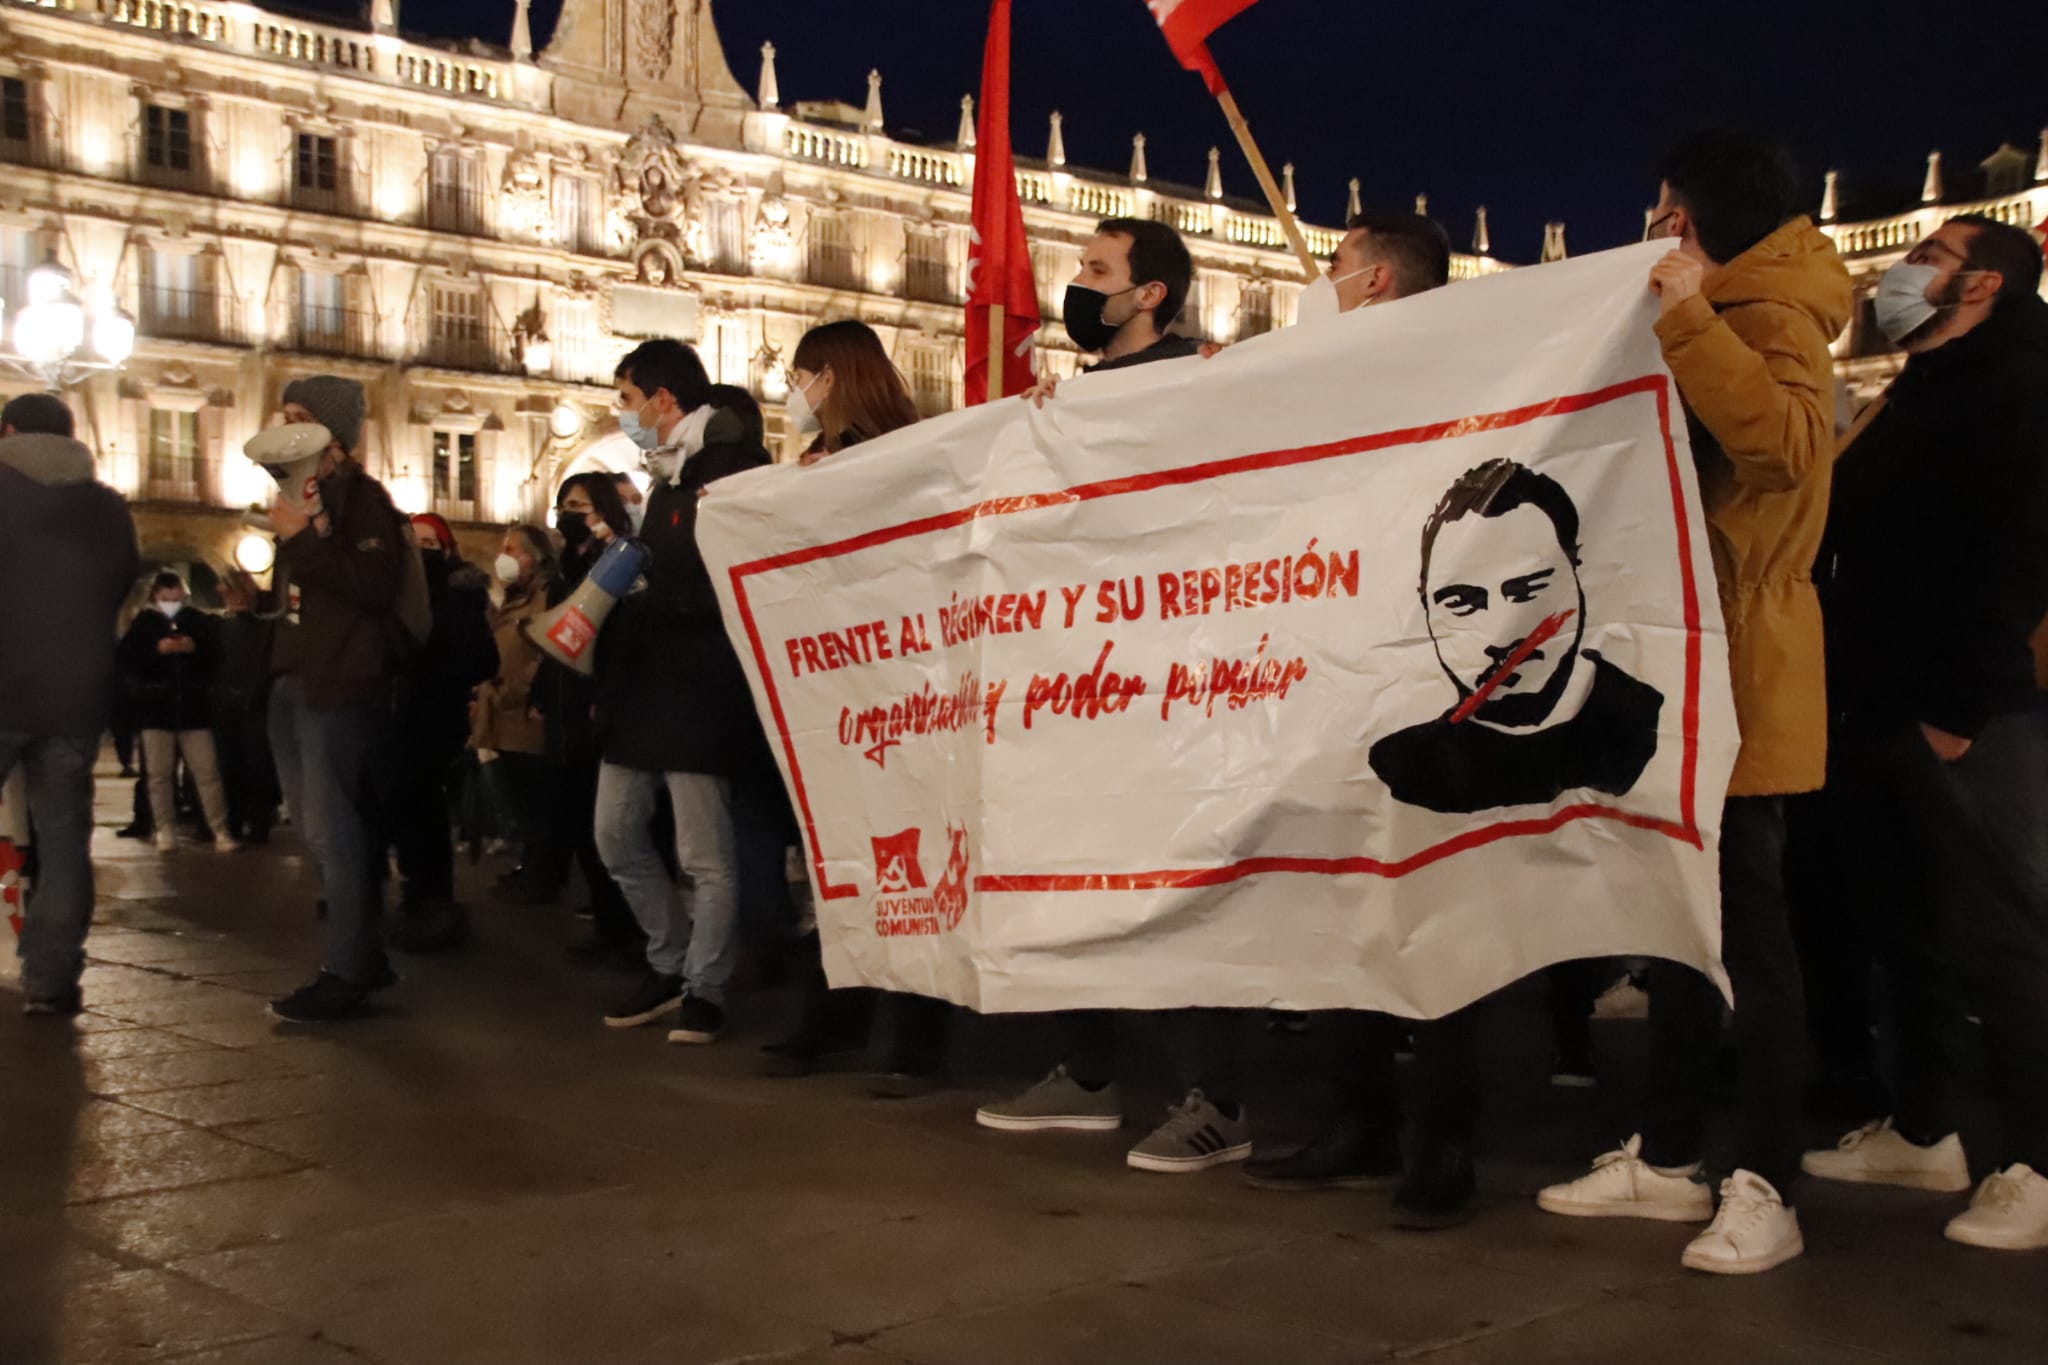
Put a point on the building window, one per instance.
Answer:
(455, 474)
(926, 276)
(19, 254)
(167, 143)
(931, 388)
(458, 334)
(316, 172)
(576, 225)
(455, 193)
(831, 252)
(1045, 265)
(16, 126)
(727, 234)
(324, 323)
(175, 301)
(173, 454)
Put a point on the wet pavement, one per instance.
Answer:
(483, 1175)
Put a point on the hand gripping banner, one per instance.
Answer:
(1373, 663)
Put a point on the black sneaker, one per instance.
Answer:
(431, 927)
(323, 1000)
(61, 1005)
(1348, 1155)
(899, 1084)
(699, 1021)
(655, 998)
(1437, 1192)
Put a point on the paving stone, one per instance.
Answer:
(1385, 1298)
(1621, 1330)
(174, 1224)
(125, 1319)
(135, 1042)
(142, 1075)
(194, 1002)
(1123, 1323)
(162, 1161)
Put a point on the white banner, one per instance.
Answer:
(1373, 663)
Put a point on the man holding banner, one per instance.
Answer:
(1749, 301)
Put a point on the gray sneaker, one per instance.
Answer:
(1195, 1136)
(1058, 1101)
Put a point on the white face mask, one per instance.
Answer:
(646, 435)
(1902, 305)
(1320, 300)
(171, 609)
(802, 415)
(508, 569)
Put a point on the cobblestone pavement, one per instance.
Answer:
(482, 1175)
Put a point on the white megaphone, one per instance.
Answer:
(567, 633)
(291, 455)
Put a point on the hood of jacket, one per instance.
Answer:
(53, 461)
(1796, 267)
(2016, 327)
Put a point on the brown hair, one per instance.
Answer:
(868, 397)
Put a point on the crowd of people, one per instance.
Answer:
(1885, 820)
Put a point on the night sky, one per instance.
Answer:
(1537, 110)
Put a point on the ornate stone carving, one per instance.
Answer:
(657, 196)
(772, 237)
(524, 196)
(651, 25)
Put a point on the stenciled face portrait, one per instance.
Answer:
(1491, 583)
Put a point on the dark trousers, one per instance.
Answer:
(419, 774)
(1954, 873)
(563, 833)
(241, 738)
(1201, 1047)
(1443, 1096)
(1770, 1013)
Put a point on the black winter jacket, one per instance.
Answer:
(346, 584)
(671, 696)
(565, 698)
(68, 560)
(171, 691)
(1934, 572)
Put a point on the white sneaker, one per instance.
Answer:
(1876, 1154)
(1752, 1232)
(223, 844)
(2009, 1213)
(167, 843)
(1623, 1185)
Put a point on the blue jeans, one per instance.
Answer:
(323, 763)
(696, 945)
(58, 769)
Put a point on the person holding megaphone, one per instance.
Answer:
(342, 570)
(673, 707)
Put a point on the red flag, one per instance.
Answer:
(1187, 25)
(2041, 228)
(999, 260)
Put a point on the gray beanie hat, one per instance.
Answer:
(336, 403)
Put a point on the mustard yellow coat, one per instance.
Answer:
(1750, 354)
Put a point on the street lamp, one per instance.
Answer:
(60, 340)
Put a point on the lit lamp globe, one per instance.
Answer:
(49, 333)
(255, 552)
(540, 355)
(113, 336)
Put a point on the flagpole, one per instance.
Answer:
(998, 352)
(1264, 172)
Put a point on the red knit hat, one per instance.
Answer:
(434, 522)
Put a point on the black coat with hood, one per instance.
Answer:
(68, 558)
(1934, 571)
(565, 698)
(670, 693)
(341, 592)
(171, 691)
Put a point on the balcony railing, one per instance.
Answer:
(188, 315)
(484, 349)
(335, 331)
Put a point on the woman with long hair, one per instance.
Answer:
(844, 388)
(589, 515)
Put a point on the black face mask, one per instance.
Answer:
(1083, 316)
(574, 526)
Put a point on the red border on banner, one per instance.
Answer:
(1685, 829)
